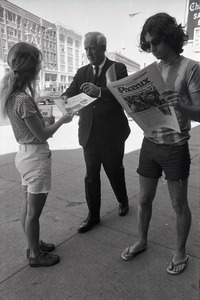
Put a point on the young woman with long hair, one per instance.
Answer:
(33, 160)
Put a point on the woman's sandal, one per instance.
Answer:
(178, 268)
(44, 247)
(127, 255)
(44, 260)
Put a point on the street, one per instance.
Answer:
(66, 137)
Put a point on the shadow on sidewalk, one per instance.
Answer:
(66, 208)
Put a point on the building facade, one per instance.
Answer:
(61, 47)
(130, 64)
(69, 44)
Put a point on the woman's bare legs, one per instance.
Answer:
(31, 211)
(24, 206)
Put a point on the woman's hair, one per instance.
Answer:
(23, 60)
(166, 28)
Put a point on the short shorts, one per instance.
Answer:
(173, 160)
(33, 162)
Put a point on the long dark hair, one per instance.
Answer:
(23, 60)
(165, 27)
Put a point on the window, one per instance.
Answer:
(47, 77)
(1, 14)
(69, 51)
(77, 62)
(5, 58)
(25, 23)
(63, 78)
(77, 53)
(62, 38)
(18, 20)
(19, 35)
(62, 48)
(12, 31)
(33, 26)
(70, 60)
(11, 17)
(62, 68)
(54, 77)
(69, 41)
(50, 77)
(62, 59)
(2, 29)
(77, 44)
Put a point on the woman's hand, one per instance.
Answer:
(67, 118)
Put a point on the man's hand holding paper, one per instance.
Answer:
(172, 97)
(91, 89)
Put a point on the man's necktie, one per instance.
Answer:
(96, 72)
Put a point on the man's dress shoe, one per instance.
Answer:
(123, 209)
(87, 225)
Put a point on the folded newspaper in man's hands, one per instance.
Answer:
(139, 95)
(74, 104)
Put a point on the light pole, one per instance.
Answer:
(33, 40)
(134, 14)
(47, 29)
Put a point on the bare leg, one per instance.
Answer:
(24, 210)
(178, 194)
(147, 193)
(24, 206)
(32, 228)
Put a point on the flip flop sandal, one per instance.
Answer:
(178, 268)
(127, 255)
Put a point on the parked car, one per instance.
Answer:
(47, 97)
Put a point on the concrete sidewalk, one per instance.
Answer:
(91, 267)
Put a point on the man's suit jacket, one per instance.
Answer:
(105, 113)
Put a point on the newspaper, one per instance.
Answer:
(47, 112)
(139, 95)
(111, 74)
(74, 104)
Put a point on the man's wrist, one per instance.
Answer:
(99, 94)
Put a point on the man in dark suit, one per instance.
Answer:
(103, 128)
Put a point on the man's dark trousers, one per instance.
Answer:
(111, 157)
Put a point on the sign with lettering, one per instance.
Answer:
(196, 40)
(193, 17)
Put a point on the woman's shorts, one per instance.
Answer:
(33, 162)
(173, 160)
